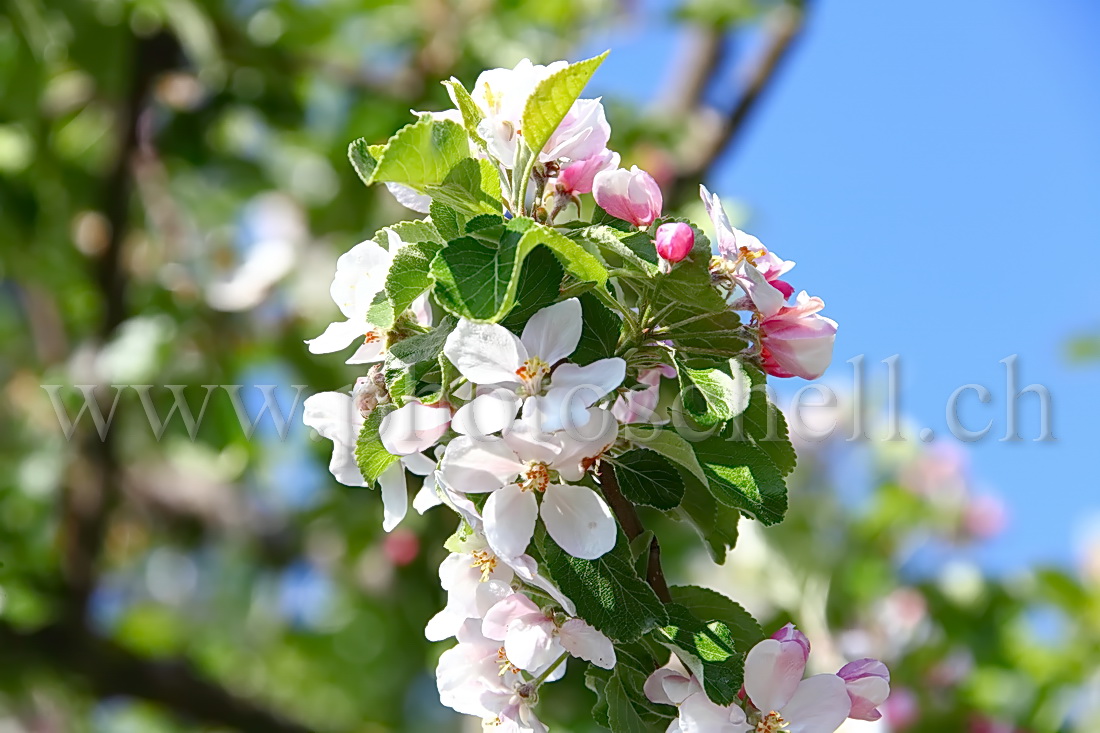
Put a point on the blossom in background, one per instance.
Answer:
(796, 341)
(360, 276)
(525, 462)
(490, 354)
(631, 195)
(868, 684)
(747, 262)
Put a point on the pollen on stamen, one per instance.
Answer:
(536, 476)
(485, 560)
(773, 722)
(504, 664)
(372, 337)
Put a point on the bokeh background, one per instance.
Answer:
(174, 193)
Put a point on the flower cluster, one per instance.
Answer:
(503, 391)
(775, 697)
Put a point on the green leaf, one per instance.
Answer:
(471, 115)
(552, 98)
(621, 715)
(364, 158)
(708, 650)
(597, 680)
(607, 592)
(649, 479)
(716, 523)
(448, 222)
(370, 455)
(417, 230)
(422, 153)
(711, 395)
(742, 476)
(623, 246)
(669, 444)
(409, 274)
(708, 605)
(478, 276)
(600, 332)
(539, 286)
(472, 186)
(421, 347)
(763, 424)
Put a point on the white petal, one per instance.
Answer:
(333, 415)
(443, 625)
(766, 297)
(472, 465)
(670, 686)
(368, 353)
(338, 335)
(773, 671)
(553, 333)
(578, 520)
(487, 413)
(426, 498)
(699, 715)
(410, 198)
(531, 644)
(485, 353)
(582, 445)
(395, 495)
(530, 443)
(558, 409)
(360, 275)
(820, 705)
(584, 642)
(501, 615)
(590, 383)
(413, 428)
(526, 569)
(509, 516)
(421, 465)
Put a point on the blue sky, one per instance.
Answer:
(934, 169)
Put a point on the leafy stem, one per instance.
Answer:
(631, 523)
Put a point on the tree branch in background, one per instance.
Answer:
(631, 523)
(109, 669)
(782, 28)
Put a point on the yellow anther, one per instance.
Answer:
(485, 560)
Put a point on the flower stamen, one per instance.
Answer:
(773, 722)
(486, 561)
(531, 375)
(536, 476)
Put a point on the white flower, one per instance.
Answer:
(490, 354)
(522, 464)
(533, 640)
(475, 677)
(360, 276)
(335, 417)
(474, 582)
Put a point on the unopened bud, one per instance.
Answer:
(674, 241)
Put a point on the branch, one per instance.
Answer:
(631, 523)
(783, 28)
(109, 669)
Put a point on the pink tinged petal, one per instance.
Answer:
(699, 715)
(339, 335)
(578, 520)
(670, 686)
(868, 683)
(422, 310)
(531, 643)
(529, 442)
(585, 642)
(368, 353)
(395, 495)
(413, 428)
(472, 465)
(819, 705)
(485, 353)
(727, 240)
(766, 298)
(553, 333)
(577, 177)
(790, 633)
(495, 623)
(526, 569)
(631, 195)
(509, 515)
(773, 670)
(487, 413)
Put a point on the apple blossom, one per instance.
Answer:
(334, 416)
(475, 677)
(631, 195)
(674, 242)
(577, 177)
(360, 276)
(525, 462)
(534, 640)
(639, 405)
(747, 262)
(868, 684)
(796, 341)
(490, 354)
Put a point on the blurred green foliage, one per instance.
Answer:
(174, 192)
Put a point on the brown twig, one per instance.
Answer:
(631, 523)
(783, 28)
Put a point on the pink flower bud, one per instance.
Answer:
(577, 176)
(868, 683)
(797, 342)
(789, 634)
(631, 195)
(674, 241)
